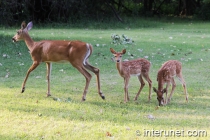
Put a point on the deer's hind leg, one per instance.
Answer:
(141, 87)
(96, 71)
(146, 77)
(183, 85)
(87, 76)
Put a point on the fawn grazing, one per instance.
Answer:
(139, 67)
(48, 51)
(166, 74)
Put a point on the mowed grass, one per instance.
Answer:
(32, 115)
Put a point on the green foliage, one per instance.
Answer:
(32, 115)
(74, 11)
(116, 39)
(204, 11)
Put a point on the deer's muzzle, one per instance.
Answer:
(14, 40)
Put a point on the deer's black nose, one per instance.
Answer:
(13, 39)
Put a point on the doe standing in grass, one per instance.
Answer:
(48, 51)
(139, 67)
(166, 74)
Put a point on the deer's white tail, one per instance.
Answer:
(87, 54)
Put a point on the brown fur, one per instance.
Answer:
(166, 74)
(139, 67)
(74, 52)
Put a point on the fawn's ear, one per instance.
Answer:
(164, 90)
(112, 51)
(123, 51)
(154, 89)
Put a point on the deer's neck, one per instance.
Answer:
(29, 42)
(160, 86)
(160, 82)
(120, 68)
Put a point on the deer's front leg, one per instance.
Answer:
(167, 85)
(126, 81)
(49, 68)
(34, 65)
(172, 90)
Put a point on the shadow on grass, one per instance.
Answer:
(112, 110)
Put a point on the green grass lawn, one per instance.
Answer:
(32, 115)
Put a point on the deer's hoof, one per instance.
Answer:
(135, 99)
(125, 102)
(48, 94)
(103, 97)
(23, 89)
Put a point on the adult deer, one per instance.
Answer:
(139, 67)
(166, 74)
(48, 51)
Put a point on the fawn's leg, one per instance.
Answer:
(141, 87)
(126, 81)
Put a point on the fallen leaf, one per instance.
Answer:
(5, 56)
(128, 128)
(7, 75)
(21, 64)
(108, 134)
(151, 117)
(38, 77)
(140, 50)
(157, 107)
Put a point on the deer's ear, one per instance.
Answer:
(123, 51)
(29, 26)
(154, 89)
(112, 51)
(164, 90)
(23, 25)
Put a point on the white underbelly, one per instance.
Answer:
(137, 74)
(61, 61)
